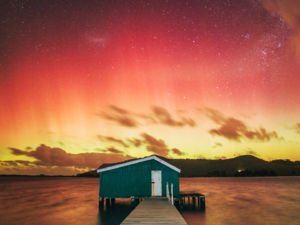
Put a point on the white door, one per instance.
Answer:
(156, 183)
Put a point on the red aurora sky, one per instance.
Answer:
(87, 82)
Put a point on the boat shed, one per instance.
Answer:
(138, 178)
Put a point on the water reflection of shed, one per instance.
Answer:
(139, 178)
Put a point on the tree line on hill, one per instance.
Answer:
(240, 166)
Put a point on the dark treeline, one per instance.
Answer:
(246, 165)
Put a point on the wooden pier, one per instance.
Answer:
(155, 211)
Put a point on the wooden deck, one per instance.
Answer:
(155, 211)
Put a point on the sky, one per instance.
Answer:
(89, 82)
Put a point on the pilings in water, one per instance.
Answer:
(106, 202)
(196, 200)
(101, 203)
(202, 202)
(110, 202)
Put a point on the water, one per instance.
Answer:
(46, 200)
(248, 200)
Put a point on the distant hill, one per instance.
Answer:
(246, 165)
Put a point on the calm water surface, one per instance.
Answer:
(229, 201)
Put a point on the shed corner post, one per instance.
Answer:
(99, 184)
(101, 200)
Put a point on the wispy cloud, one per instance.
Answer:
(159, 146)
(297, 128)
(156, 146)
(235, 129)
(135, 141)
(177, 152)
(32, 168)
(217, 144)
(153, 145)
(164, 117)
(251, 152)
(113, 150)
(158, 115)
(112, 140)
(47, 156)
(120, 116)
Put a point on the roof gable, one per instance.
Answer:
(131, 162)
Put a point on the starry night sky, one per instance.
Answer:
(87, 82)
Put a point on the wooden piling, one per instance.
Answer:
(101, 203)
(192, 197)
(112, 201)
(202, 201)
(107, 202)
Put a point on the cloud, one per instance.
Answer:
(15, 162)
(251, 152)
(217, 144)
(231, 129)
(289, 11)
(214, 115)
(297, 128)
(110, 150)
(177, 152)
(120, 116)
(135, 141)
(57, 161)
(114, 150)
(220, 157)
(146, 119)
(32, 168)
(157, 146)
(262, 134)
(160, 115)
(234, 129)
(119, 110)
(164, 117)
(188, 121)
(112, 140)
(153, 145)
(47, 156)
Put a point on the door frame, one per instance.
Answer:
(153, 182)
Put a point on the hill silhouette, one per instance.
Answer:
(246, 165)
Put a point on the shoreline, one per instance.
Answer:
(75, 176)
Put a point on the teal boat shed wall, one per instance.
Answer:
(124, 181)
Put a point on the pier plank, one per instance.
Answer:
(155, 211)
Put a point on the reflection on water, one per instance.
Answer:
(116, 213)
(46, 200)
(248, 200)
